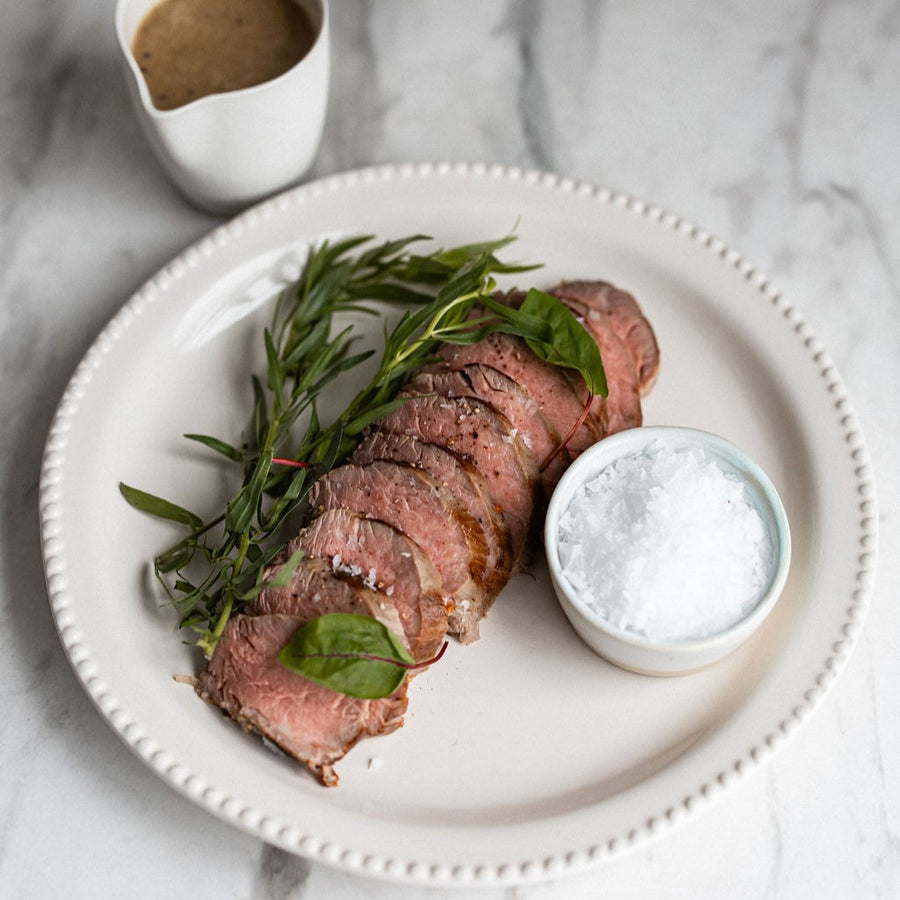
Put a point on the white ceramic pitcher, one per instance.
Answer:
(226, 151)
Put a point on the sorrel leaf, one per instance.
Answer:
(353, 654)
(570, 344)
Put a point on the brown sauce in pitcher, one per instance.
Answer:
(189, 49)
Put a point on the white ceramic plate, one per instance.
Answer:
(523, 756)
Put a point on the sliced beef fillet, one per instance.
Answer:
(478, 433)
(461, 478)
(423, 526)
(314, 724)
(559, 397)
(467, 485)
(512, 401)
(315, 589)
(623, 402)
(416, 504)
(622, 311)
(389, 561)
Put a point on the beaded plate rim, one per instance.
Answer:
(246, 816)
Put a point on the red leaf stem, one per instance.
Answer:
(373, 658)
(290, 462)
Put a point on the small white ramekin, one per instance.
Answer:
(630, 650)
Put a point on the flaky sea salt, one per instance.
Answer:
(666, 544)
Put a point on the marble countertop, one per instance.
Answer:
(773, 125)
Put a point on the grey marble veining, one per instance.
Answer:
(773, 125)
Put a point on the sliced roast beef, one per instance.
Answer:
(316, 589)
(622, 311)
(478, 433)
(623, 402)
(314, 724)
(416, 504)
(461, 478)
(387, 560)
(560, 398)
(423, 526)
(509, 398)
(468, 486)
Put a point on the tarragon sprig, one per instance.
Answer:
(448, 297)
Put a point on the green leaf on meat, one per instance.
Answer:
(353, 654)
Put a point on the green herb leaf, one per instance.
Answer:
(570, 344)
(218, 446)
(355, 655)
(243, 507)
(282, 578)
(157, 506)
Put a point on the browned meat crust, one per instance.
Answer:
(416, 504)
(478, 433)
(470, 488)
(513, 401)
(560, 398)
